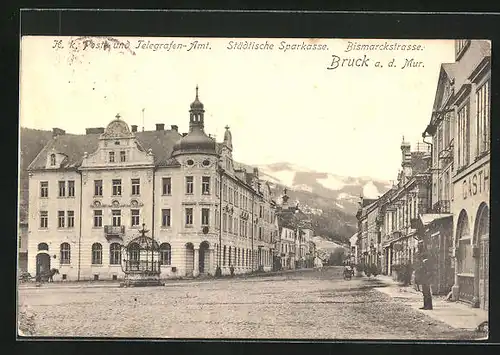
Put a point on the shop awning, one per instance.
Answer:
(428, 218)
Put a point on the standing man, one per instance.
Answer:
(425, 280)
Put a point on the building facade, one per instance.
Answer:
(387, 228)
(90, 194)
(470, 102)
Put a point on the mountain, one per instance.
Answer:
(337, 191)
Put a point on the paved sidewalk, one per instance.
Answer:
(456, 314)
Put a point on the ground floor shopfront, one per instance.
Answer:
(437, 246)
(471, 240)
(399, 252)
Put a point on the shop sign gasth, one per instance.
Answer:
(476, 183)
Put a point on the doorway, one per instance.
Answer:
(42, 263)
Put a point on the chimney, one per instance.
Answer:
(58, 132)
(174, 128)
(134, 128)
(95, 130)
(160, 126)
(184, 134)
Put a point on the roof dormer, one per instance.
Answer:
(55, 160)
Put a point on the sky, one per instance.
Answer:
(282, 105)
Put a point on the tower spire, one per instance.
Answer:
(196, 91)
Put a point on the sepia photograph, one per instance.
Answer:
(253, 188)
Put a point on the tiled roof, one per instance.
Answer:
(471, 58)
(368, 201)
(161, 143)
(74, 146)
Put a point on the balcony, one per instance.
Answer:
(442, 206)
(114, 232)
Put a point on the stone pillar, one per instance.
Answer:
(455, 288)
(196, 269)
(212, 262)
(477, 260)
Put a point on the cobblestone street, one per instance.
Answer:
(306, 305)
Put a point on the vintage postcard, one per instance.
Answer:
(253, 188)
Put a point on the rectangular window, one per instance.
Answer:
(62, 188)
(230, 225)
(97, 187)
(189, 216)
(97, 218)
(446, 129)
(189, 185)
(205, 185)
(224, 192)
(71, 188)
(205, 213)
(136, 184)
(166, 186)
(117, 218)
(483, 118)
(217, 187)
(224, 222)
(261, 211)
(123, 156)
(117, 187)
(71, 219)
(135, 217)
(439, 141)
(111, 157)
(44, 189)
(236, 198)
(44, 219)
(236, 226)
(60, 219)
(460, 45)
(165, 217)
(217, 221)
(230, 195)
(463, 136)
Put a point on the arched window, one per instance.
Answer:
(96, 254)
(115, 254)
(52, 160)
(165, 254)
(465, 260)
(43, 246)
(65, 253)
(134, 252)
(224, 256)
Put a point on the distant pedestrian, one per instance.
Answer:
(424, 276)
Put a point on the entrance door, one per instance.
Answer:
(42, 263)
(203, 261)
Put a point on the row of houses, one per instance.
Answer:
(90, 194)
(439, 206)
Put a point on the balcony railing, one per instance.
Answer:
(442, 206)
(142, 266)
(114, 231)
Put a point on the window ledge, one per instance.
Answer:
(166, 227)
(97, 265)
(166, 194)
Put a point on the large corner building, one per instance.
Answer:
(90, 194)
